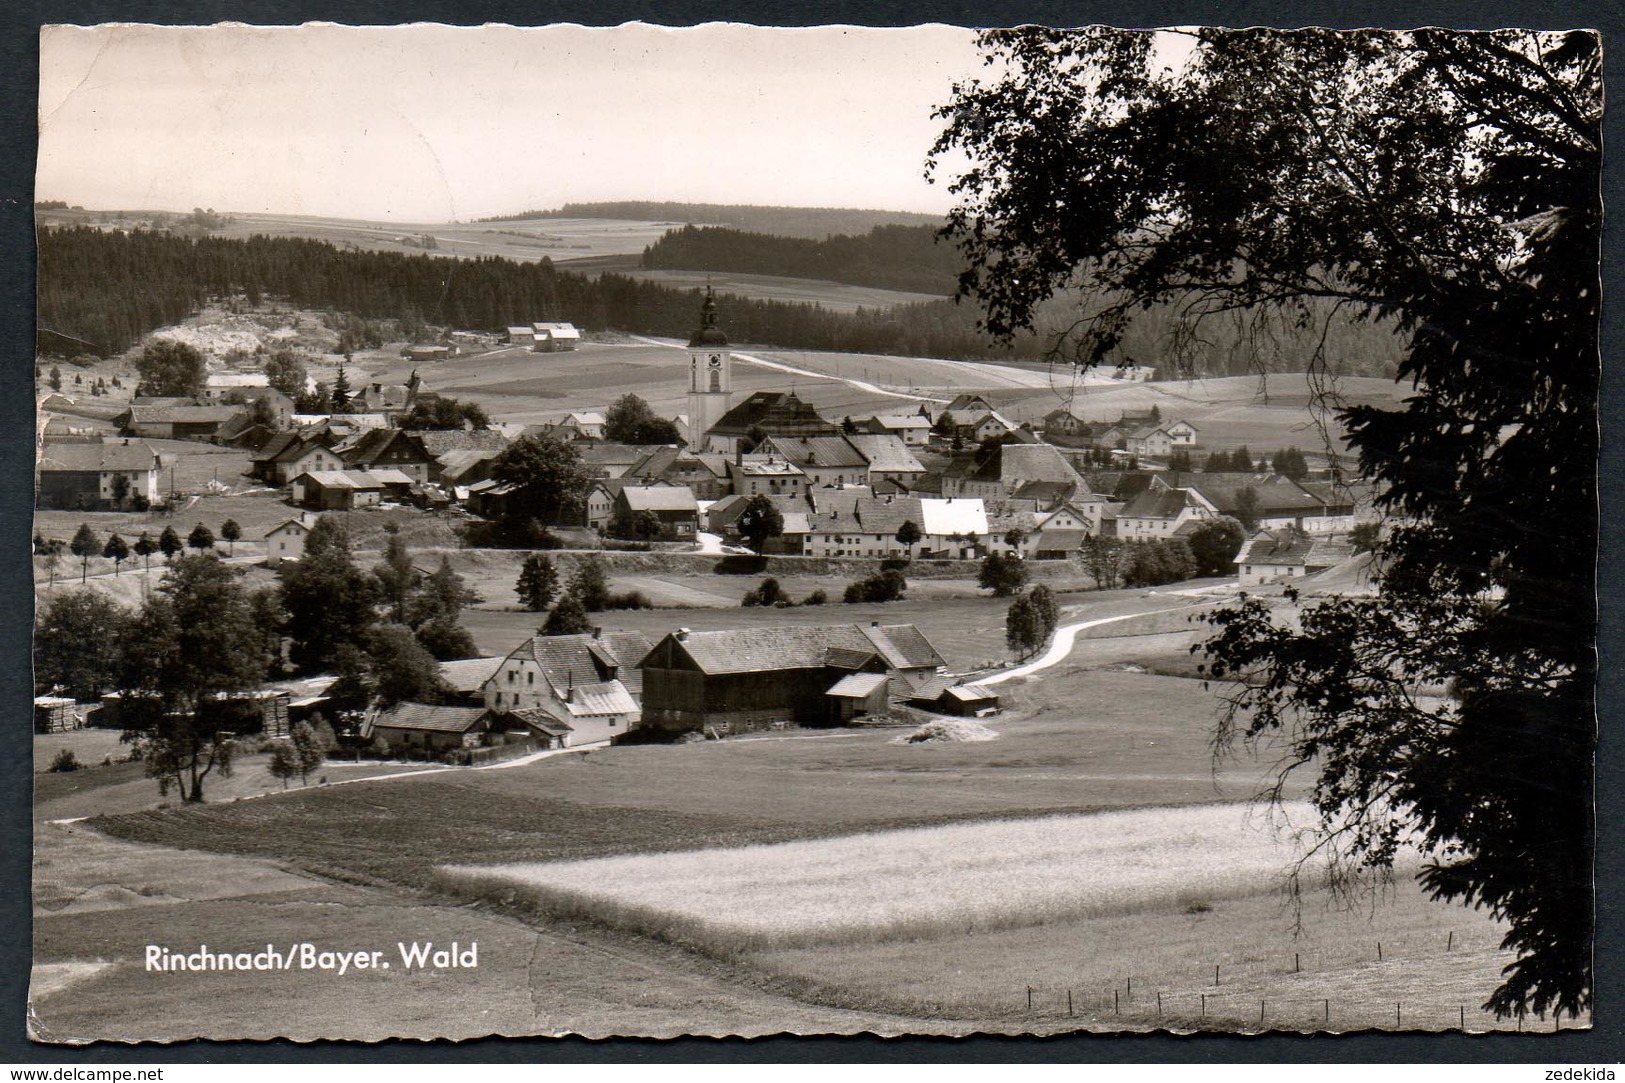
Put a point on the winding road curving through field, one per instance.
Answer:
(1066, 634)
(861, 385)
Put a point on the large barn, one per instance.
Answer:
(740, 679)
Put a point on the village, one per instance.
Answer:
(953, 489)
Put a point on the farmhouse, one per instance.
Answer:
(829, 462)
(1271, 501)
(346, 490)
(1159, 441)
(750, 678)
(425, 728)
(521, 335)
(391, 449)
(174, 422)
(387, 399)
(862, 524)
(705, 474)
(554, 337)
(581, 689)
(722, 517)
(672, 506)
(1160, 513)
(913, 429)
(888, 458)
(1282, 555)
(95, 476)
(285, 541)
(431, 352)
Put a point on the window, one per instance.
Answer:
(512, 676)
(530, 678)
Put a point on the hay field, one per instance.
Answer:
(912, 883)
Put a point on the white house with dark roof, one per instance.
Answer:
(586, 686)
(1283, 555)
(285, 542)
(86, 476)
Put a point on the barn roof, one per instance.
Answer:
(468, 674)
(760, 650)
(122, 455)
(886, 453)
(430, 717)
(659, 498)
(857, 685)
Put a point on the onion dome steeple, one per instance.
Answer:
(708, 333)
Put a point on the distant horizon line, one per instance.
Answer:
(40, 199)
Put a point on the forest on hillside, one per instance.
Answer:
(908, 258)
(100, 292)
(815, 223)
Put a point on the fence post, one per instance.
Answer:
(1204, 1005)
(1379, 951)
(1328, 1009)
(1159, 1002)
(1396, 1013)
(1294, 962)
(1260, 1013)
(1115, 1010)
(1450, 940)
(1029, 998)
(1131, 987)
(1463, 1008)
(1215, 974)
(1069, 1002)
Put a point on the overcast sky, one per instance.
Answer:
(428, 123)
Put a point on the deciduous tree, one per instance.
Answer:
(1442, 184)
(168, 367)
(538, 582)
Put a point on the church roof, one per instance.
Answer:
(708, 333)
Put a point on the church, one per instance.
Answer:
(710, 376)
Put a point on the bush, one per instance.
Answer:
(895, 564)
(768, 593)
(488, 534)
(65, 761)
(886, 586)
(630, 599)
(741, 564)
(817, 597)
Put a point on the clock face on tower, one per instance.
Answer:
(715, 361)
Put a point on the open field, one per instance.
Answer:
(1153, 967)
(914, 883)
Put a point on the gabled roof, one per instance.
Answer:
(659, 498)
(1156, 503)
(900, 422)
(122, 455)
(369, 445)
(856, 685)
(886, 453)
(1020, 463)
(965, 516)
(352, 479)
(1276, 495)
(468, 674)
(298, 524)
(431, 718)
(1288, 548)
(582, 661)
(610, 453)
(765, 650)
(819, 451)
(189, 415)
(540, 719)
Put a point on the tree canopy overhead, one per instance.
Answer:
(1447, 184)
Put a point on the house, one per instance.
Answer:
(420, 728)
(582, 689)
(913, 429)
(95, 476)
(673, 507)
(242, 431)
(521, 335)
(829, 462)
(776, 413)
(1285, 554)
(1271, 501)
(600, 502)
(988, 426)
(386, 449)
(858, 695)
(968, 403)
(283, 459)
(589, 423)
(441, 443)
(751, 678)
(285, 541)
(217, 386)
(1158, 441)
(346, 490)
(705, 474)
(722, 518)
(863, 524)
(387, 399)
(174, 422)
(431, 351)
(766, 475)
(460, 469)
(1063, 422)
(612, 460)
(1157, 513)
(554, 337)
(888, 458)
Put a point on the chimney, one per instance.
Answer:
(377, 388)
(874, 624)
(598, 633)
(682, 635)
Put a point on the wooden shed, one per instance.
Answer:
(55, 714)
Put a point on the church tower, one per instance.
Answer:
(710, 375)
